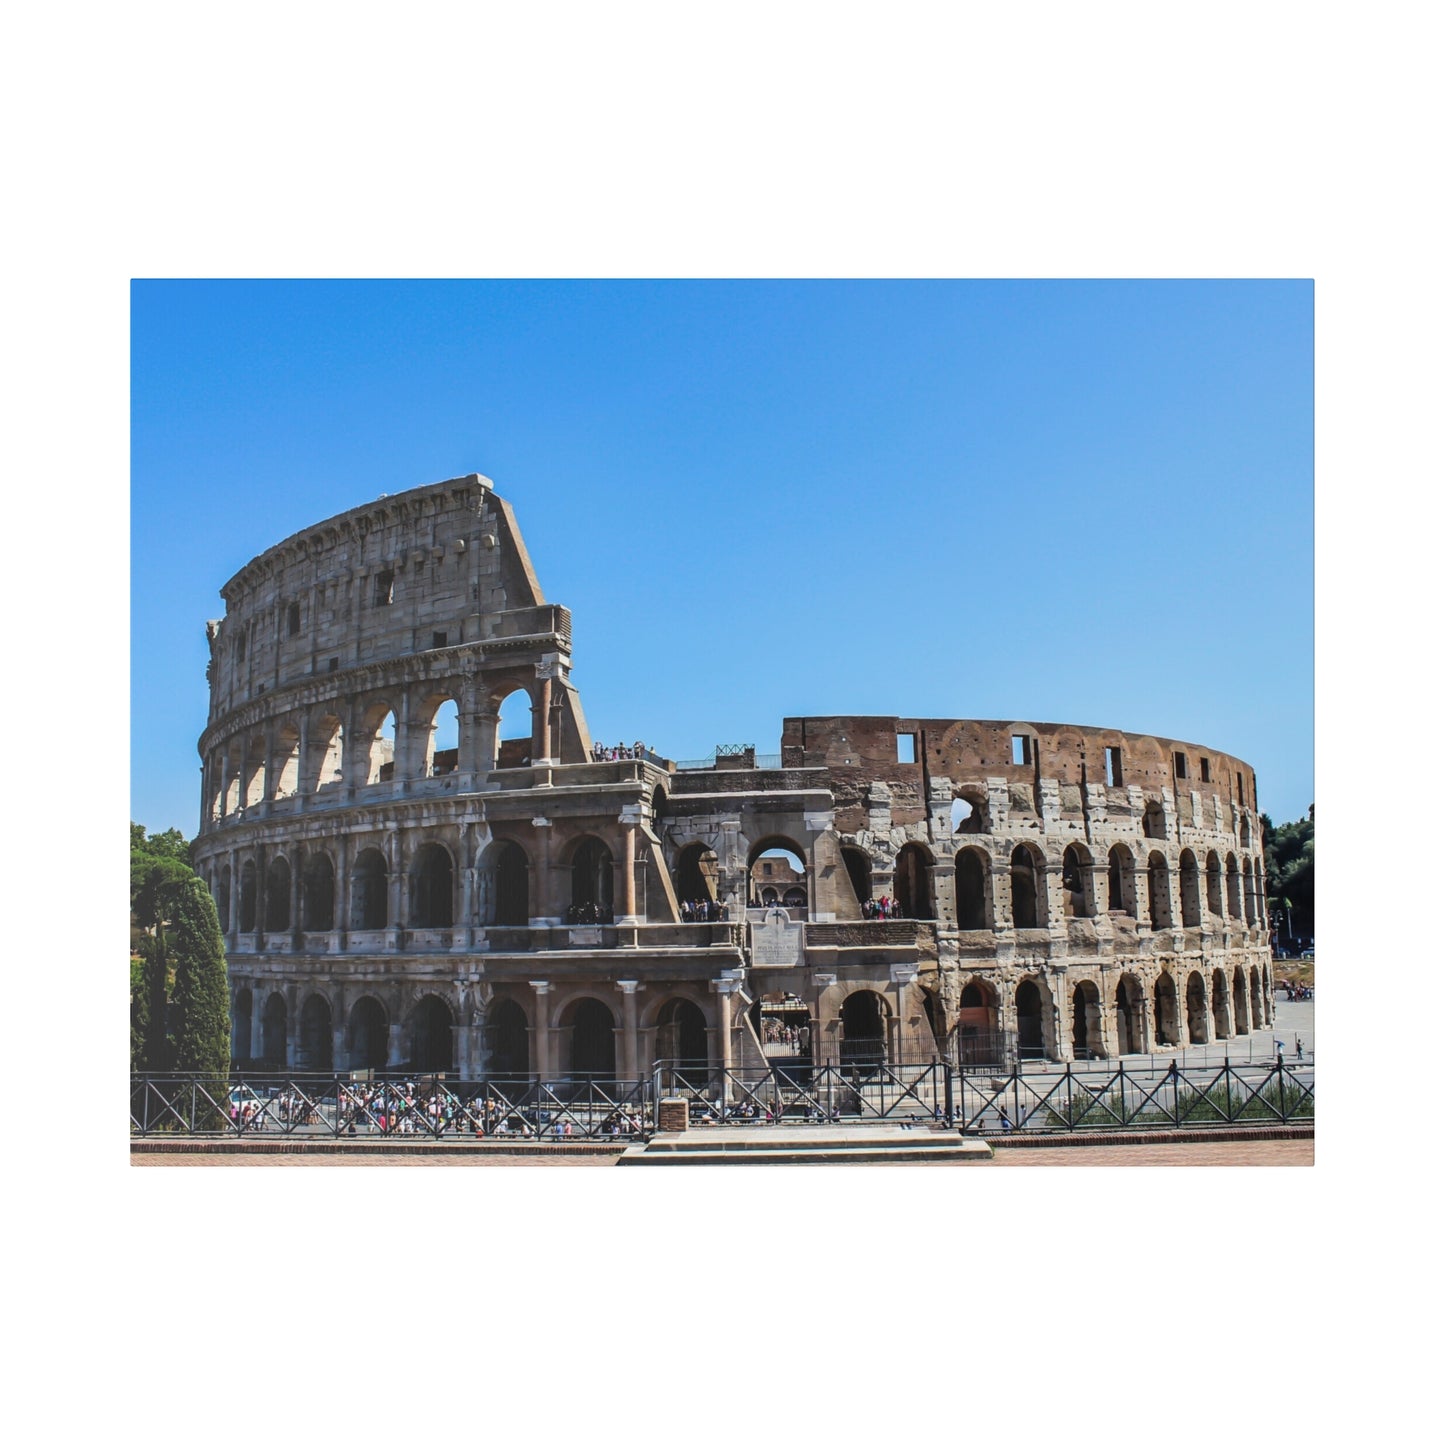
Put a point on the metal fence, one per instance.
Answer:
(1033, 1101)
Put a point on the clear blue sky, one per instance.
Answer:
(1060, 502)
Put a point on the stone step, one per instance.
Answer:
(779, 1144)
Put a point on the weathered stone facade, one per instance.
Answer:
(510, 906)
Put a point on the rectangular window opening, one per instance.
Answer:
(905, 747)
(293, 619)
(384, 583)
(333, 664)
(1022, 753)
(1204, 770)
(1181, 766)
(1115, 758)
(438, 639)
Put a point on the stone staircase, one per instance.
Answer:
(809, 1144)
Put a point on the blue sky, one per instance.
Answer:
(1074, 502)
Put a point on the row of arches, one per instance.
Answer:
(274, 897)
(322, 751)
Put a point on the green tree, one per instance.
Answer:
(1289, 867)
(200, 998)
(160, 873)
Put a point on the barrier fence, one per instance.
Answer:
(932, 1093)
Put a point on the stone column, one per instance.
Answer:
(303, 763)
(484, 741)
(725, 988)
(233, 911)
(341, 896)
(630, 1066)
(901, 975)
(258, 1034)
(293, 1027)
(822, 982)
(394, 881)
(630, 818)
(542, 1033)
(297, 895)
(542, 718)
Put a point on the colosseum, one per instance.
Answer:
(402, 887)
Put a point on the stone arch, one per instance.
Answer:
(325, 769)
(1213, 880)
(514, 709)
(366, 1034)
(429, 1036)
(681, 1038)
(377, 742)
(1088, 1021)
(772, 847)
(969, 813)
(1241, 1000)
(273, 1032)
(864, 1036)
(278, 894)
(913, 881)
(231, 793)
(247, 922)
(860, 871)
(241, 1007)
(1129, 1015)
(1166, 1010)
(508, 1052)
(1256, 1002)
(1032, 1007)
(1248, 886)
(1078, 882)
(505, 885)
(1219, 999)
(1028, 897)
(590, 1036)
(1123, 896)
(1189, 889)
(318, 892)
(1196, 1007)
(1231, 875)
(286, 762)
(971, 868)
(370, 890)
(441, 742)
(695, 875)
(591, 867)
(254, 772)
(1159, 903)
(433, 879)
(1154, 825)
(313, 1047)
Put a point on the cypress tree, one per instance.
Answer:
(200, 998)
(157, 1052)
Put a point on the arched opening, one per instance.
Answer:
(313, 1048)
(241, 1024)
(784, 1028)
(969, 813)
(379, 734)
(592, 882)
(1088, 1028)
(1154, 821)
(1029, 1006)
(1158, 892)
(1078, 882)
(970, 886)
(1024, 881)
(247, 922)
(695, 876)
(1166, 1010)
(431, 887)
(590, 1026)
(979, 1040)
(1121, 881)
(1244, 834)
(326, 747)
(1213, 881)
(1241, 1001)
(254, 781)
(1197, 1009)
(318, 899)
(1189, 888)
(514, 730)
(366, 1035)
(860, 873)
(865, 1029)
(430, 1037)
(775, 864)
(505, 890)
(1256, 1002)
(1129, 1015)
(369, 890)
(913, 881)
(231, 788)
(286, 766)
(278, 894)
(1219, 991)
(1231, 873)
(442, 738)
(273, 1032)
(681, 1039)
(508, 1055)
(223, 899)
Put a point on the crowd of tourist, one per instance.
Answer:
(601, 753)
(793, 1036)
(1298, 992)
(703, 910)
(884, 907)
(588, 913)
